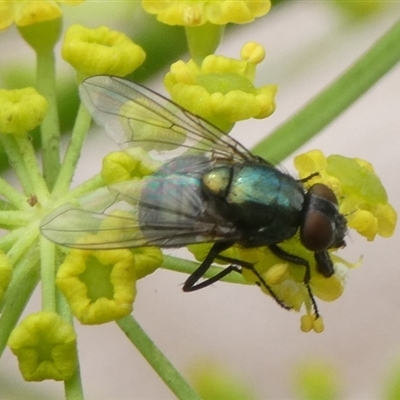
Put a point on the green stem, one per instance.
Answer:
(24, 243)
(82, 124)
(14, 218)
(9, 239)
(35, 176)
(203, 40)
(326, 106)
(187, 267)
(23, 283)
(91, 184)
(13, 196)
(5, 205)
(156, 359)
(17, 163)
(50, 127)
(73, 386)
(48, 274)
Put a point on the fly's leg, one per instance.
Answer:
(324, 263)
(261, 282)
(309, 177)
(300, 261)
(191, 283)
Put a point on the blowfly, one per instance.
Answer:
(207, 189)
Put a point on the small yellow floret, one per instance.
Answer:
(45, 345)
(101, 51)
(21, 110)
(99, 285)
(276, 274)
(252, 52)
(134, 163)
(147, 260)
(309, 322)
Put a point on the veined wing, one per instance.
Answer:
(155, 211)
(136, 116)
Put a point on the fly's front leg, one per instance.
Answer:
(324, 263)
(299, 261)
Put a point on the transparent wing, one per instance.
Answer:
(156, 211)
(136, 116)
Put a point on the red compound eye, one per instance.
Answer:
(317, 232)
(321, 190)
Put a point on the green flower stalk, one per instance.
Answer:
(5, 273)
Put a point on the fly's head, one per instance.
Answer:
(323, 226)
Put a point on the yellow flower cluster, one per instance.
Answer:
(199, 12)
(221, 89)
(363, 199)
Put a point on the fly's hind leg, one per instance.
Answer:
(192, 284)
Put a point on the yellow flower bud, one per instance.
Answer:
(133, 163)
(276, 274)
(309, 323)
(45, 345)
(147, 260)
(99, 285)
(101, 51)
(252, 52)
(21, 110)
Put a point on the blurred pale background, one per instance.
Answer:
(308, 44)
